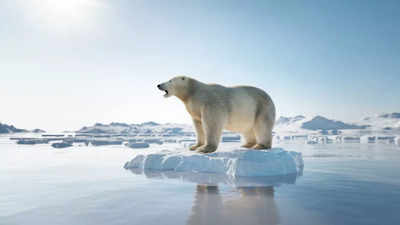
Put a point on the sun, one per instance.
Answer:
(64, 15)
(63, 7)
(67, 9)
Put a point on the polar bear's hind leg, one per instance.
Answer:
(250, 138)
(263, 132)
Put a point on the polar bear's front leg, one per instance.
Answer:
(213, 123)
(199, 133)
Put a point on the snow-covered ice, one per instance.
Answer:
(232, 162)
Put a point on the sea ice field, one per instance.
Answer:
(346, 183)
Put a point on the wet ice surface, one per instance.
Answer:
(340, 184)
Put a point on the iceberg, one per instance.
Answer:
(228, 162)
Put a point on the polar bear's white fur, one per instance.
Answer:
(244, 109)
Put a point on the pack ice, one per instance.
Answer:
(231, 162)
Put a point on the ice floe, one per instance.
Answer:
(230, 162)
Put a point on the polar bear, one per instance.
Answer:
(244, 109)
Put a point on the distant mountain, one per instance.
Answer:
(147, 128)
(289, 124)
(6, 129)
(119, 124)
(289, 120)
(394, 115)
(322, 123)
(38, 131)
(150, 123)
(112, 128)
(302, 124)
(386, 121)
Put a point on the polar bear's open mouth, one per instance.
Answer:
(166, 93)
(162, 89)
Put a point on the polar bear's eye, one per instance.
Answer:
(183, 78)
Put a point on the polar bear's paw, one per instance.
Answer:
(248, 145)
(260, 146)
(194, 147)
(207, 148)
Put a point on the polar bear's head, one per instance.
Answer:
(178, 86)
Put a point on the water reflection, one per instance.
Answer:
(254, 205)
(251, 202)
(217, 179)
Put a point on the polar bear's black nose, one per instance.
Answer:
(159, 86)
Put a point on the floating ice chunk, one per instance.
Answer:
(368, 139)
(231, 162)
(138, 145)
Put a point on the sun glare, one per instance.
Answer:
(63, 7)
(64, 15)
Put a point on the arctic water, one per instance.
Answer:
(85, 185)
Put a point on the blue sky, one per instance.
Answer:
(69, 63)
